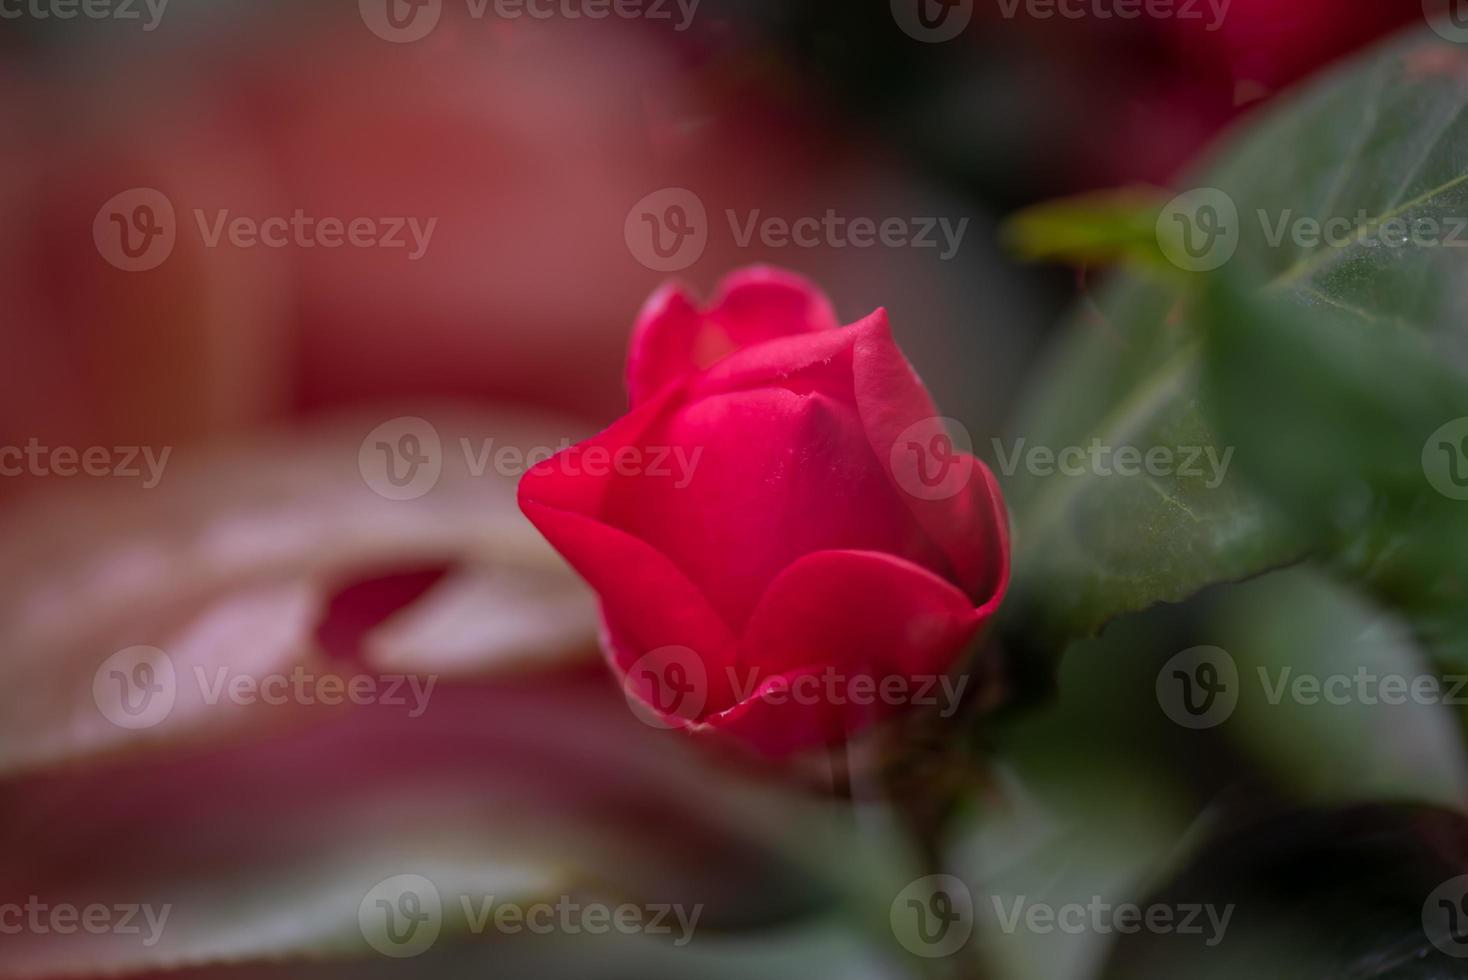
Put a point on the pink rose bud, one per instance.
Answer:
(787, 544)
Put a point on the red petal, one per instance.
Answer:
(863, 615)
(778, 475)
(673, 339)
(646, 600)
(958, 503)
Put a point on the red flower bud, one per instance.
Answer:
(786, 543)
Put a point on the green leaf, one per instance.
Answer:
(1365, 406)
(1371, 150)
(1093, 545)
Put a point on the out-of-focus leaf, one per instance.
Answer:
(1318, 709)
(1100, 790)
(1320, 893)
(1100, 227)
(226, 563)
(1087, 806)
